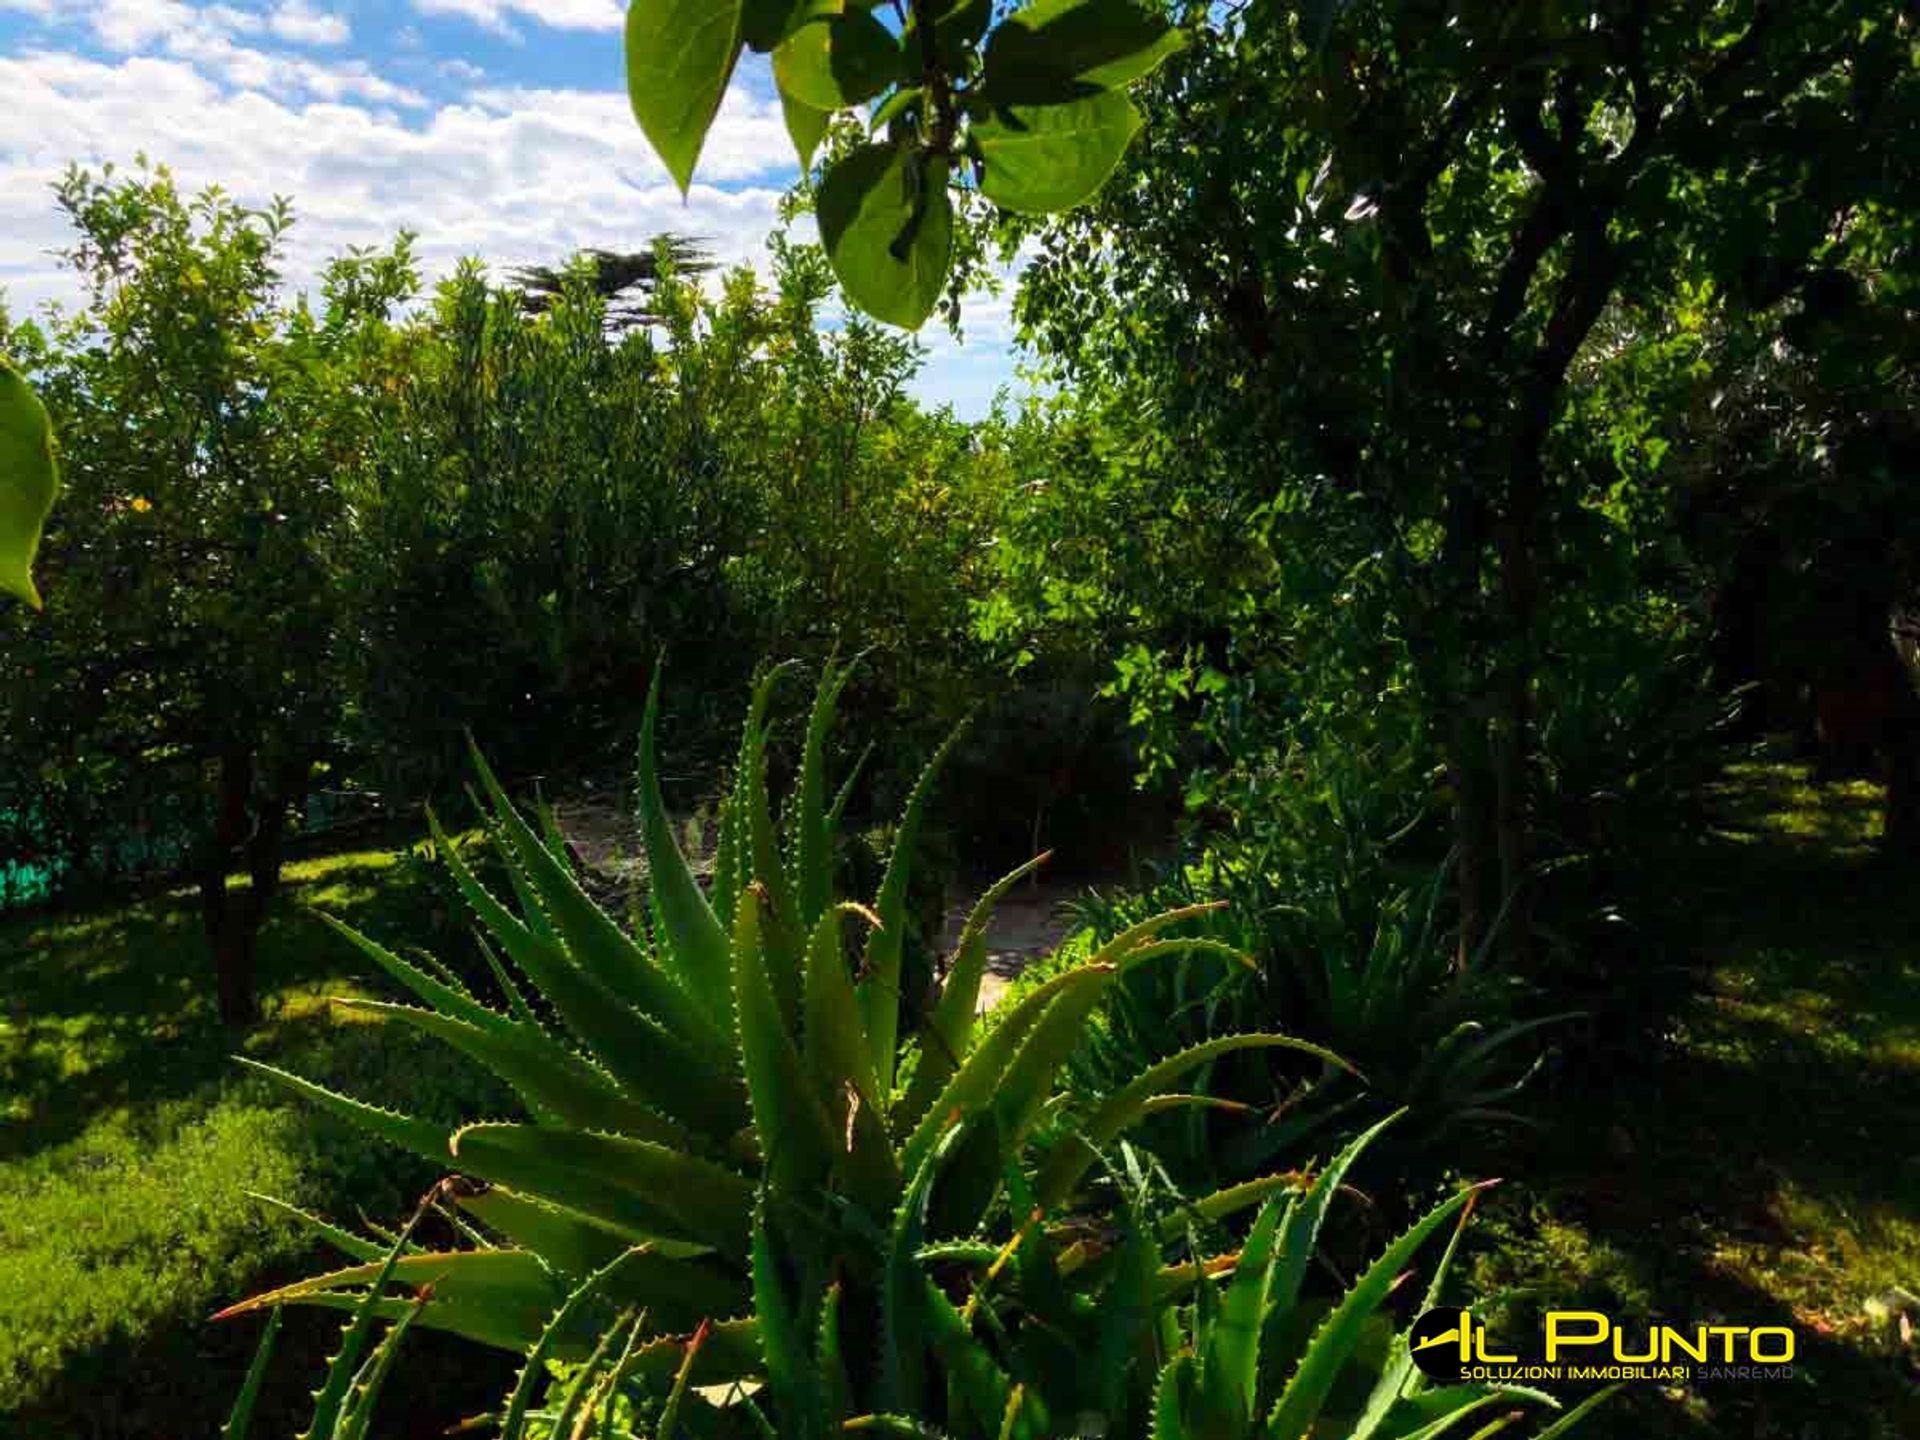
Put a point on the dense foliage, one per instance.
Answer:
(1469, 420)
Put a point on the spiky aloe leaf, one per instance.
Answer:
(903, 1317)
(1228, 1376)
(1565, 1424)
(598, 1014)
(731, 1351)
(840, 1065)
(584, 1295)
(974, 1378)
(1302, 1229)
(880, 986)
(402, 1130)
(556, 1084)
(782, 936)
(951, 1029)
(505, 1281)
(695, 942)
(342, 1240)
(977, 1082)
(1432, 1413)
(357, 1414)
(442, 997)
(586, 1380)
(1230, 1201)
(596, 943)
(647, 1189)
(1170, 1398)
(1334, 1342)
(330, 1399)
(784, 1326)
(240, 1418)
(1126, 1313)
(516, 1002)
(682, 1382)
(796, 1134)
(1399, 1375)
(498, 1330)
(1127, 1106)
(677, 1285)
(813, 841)
(830, 1362)
(903, 1426)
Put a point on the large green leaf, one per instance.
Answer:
(643, 1188)
(555, 1083)
(509, 1280)
(835, 61)
(1334, 1343)
(1042, 159)
(1128, 1105)
(887, 223)
(403, 1130)
(680, 56)
(880, 989)
(696, 941)
(1058, 50)
(796, 1135)
(29, 479)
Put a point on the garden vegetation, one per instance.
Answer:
(1461, 570)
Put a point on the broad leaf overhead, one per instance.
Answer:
(1043, 158)
(887, 224)
(29, 479)
(680, 56)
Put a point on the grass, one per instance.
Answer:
(129, 1140)
(1756, 1162)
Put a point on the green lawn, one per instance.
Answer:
(1759, 1161)
(129, 1138)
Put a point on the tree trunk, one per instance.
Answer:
(249, 828)
(228, 938)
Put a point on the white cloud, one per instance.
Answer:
(512, 176)
(497, 15)
(299, 22)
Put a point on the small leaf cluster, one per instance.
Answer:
(1031, 110)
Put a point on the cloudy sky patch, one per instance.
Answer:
(494, 128)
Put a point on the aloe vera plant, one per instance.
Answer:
(1259, 1361)
(742, 1155)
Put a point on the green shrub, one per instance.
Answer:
(759, 1170)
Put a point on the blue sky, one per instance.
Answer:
(495, 128)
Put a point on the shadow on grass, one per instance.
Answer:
(128, 1133)
(1755, 1164)
(115, 1009)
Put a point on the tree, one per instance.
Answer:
(188, 659)
(1363, 268)
(623, 282)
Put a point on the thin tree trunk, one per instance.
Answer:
(229, 933)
